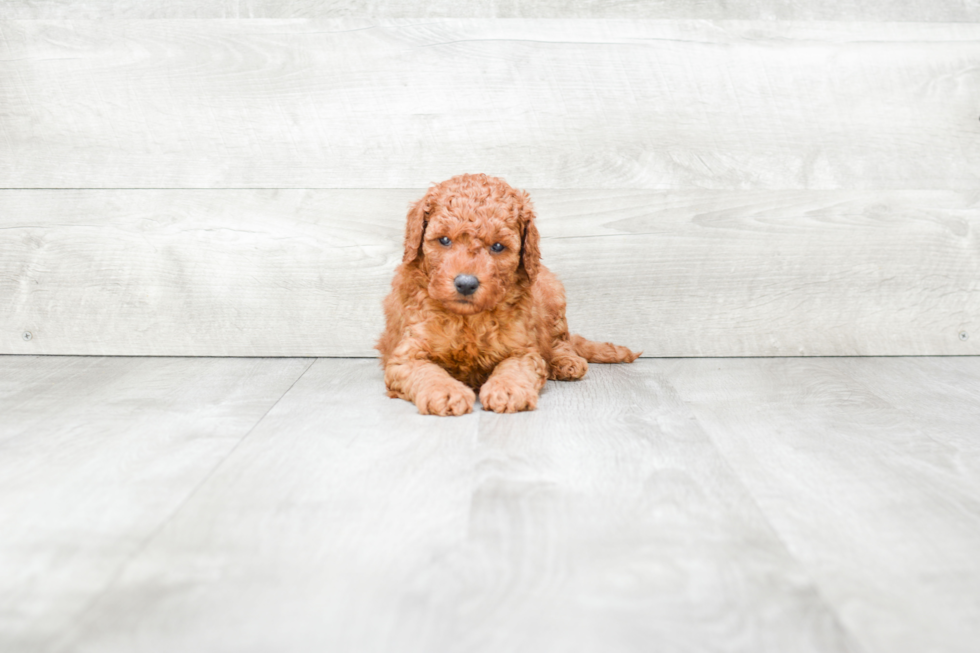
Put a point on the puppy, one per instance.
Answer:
(472, 308)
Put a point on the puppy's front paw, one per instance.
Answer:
(506, 398)
(569, 368)
(445, 398)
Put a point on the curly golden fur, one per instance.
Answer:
(472, 308)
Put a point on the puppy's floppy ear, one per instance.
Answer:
(530, 240)
(418, 216)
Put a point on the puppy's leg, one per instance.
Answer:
(565, 364)
(514, 384)
(410, 376)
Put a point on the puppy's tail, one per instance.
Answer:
(602, 352)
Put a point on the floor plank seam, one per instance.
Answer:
(813, 581)
(64, 642)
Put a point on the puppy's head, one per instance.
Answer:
(474, 238)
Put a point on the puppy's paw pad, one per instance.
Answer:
(501, 398)
(445, 399)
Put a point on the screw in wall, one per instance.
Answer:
(27, 335)
(964, 335)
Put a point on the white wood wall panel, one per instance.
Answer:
(303, 272)
(839, 10)
(356, 103)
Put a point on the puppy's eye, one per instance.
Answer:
(445, 241)
(497, 247)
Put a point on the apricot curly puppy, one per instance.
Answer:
(472, 308)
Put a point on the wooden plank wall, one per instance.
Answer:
(231, 178)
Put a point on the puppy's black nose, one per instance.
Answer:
(466, 284)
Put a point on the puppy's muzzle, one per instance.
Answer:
(466, 284)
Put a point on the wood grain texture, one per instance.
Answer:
(347, 522)
(869, 470)
(303, 272)
(672, 505)
(840, 10)
(311, 537)
(95, 455)
(356, 103)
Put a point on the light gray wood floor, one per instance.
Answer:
(201, 504)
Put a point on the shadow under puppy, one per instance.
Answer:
(472, 308)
